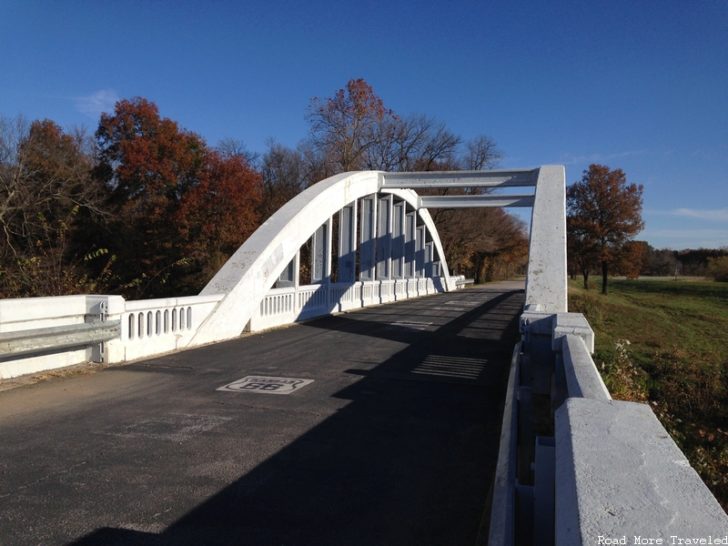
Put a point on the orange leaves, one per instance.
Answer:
(178, 203)
(344, 126)
(221, 209)
(603, 213)
(146, 153)
(603, 207)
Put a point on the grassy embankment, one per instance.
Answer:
(666, 342)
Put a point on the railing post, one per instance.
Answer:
(384, 238)
(319, 254)
(329, 247)
(410, 236)
(347, 243)
(367, 238)
(398, 245)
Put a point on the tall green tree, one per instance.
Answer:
(603, 213)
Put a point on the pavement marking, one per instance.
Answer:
(175, 427)
(261, 384)
(411, 324)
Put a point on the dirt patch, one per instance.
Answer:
(68, 371)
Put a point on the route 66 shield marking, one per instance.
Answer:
(261, 384)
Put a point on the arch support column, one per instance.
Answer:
(546, 280)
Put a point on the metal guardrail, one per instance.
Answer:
(56, 338)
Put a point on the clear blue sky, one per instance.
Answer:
(636, 84)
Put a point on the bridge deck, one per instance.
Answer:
(394, 442)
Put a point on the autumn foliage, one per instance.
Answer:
(145, 208)
(603, 213)
(354, 130)
(633, 259)
(218, 213)
(45, 192)
(346, 126)
(178, 208)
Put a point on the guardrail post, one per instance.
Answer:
(115, 310)
(97, 351)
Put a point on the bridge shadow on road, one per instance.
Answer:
(409, 460)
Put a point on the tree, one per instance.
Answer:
(661, 262)
(232, 147)
(633, 259)
(582, 251)
(147, 163)
(180, 209)
(285, 175)
(346, 125)
(603, 213)
(481, 153)
(354, 130)
(486, 244)
(45, 191)
(216, 215)
(718, 268)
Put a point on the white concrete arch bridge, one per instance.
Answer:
(388, 247)
(570, 464)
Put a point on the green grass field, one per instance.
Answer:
(666, 342)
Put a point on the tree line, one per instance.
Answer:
(146, 208)
(641, 258)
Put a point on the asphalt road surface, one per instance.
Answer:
(394, 442)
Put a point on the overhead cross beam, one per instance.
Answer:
(470, 201)
(461, 179)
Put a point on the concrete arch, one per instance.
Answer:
(250, 273)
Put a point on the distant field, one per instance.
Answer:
(666, 342)
(598, 280)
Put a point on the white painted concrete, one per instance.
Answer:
(619, 474)
(546, 278)
(282, 306)
(37, 313)
(250, 273)
(474, 201)
(30, 313)
(503, 510)
(156, 326)
(459, 179)
(572, 323)
(582, 378)
(411, 198)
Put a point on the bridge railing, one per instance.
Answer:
(155, 326)
(286, 305)
(39, 334)
(576, 467)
